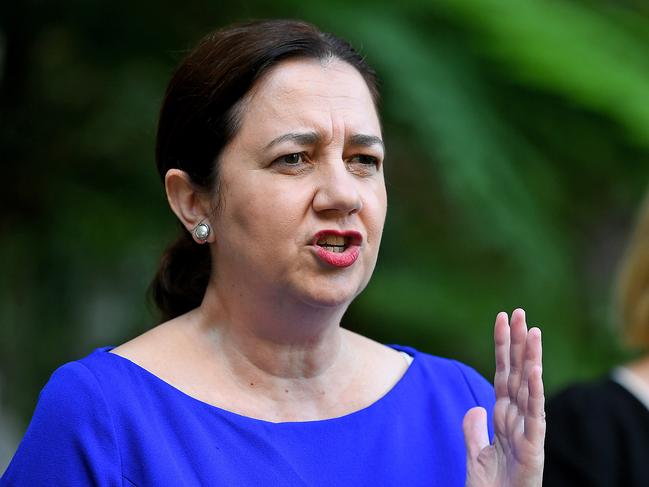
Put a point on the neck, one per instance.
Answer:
(641, 368)
(275, 337)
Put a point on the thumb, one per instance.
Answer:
(476, 434)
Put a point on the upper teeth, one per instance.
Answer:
(338, 240)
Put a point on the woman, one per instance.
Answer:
(599, 432)
(270, 148)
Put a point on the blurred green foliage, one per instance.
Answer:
(518, 149)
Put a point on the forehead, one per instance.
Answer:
(329, 96)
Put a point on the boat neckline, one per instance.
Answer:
(389, 394)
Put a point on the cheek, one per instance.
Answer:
(376, 209)
(265, 214)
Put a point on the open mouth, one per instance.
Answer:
(338, 248)
(336, 241)
(333, 243)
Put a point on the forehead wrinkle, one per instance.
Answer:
(328, 127)
(334, 100)
(303, 103)
(284, 84)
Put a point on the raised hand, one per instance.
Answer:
(515, 459)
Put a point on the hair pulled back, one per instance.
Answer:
(200, 115)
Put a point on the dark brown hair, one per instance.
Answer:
(200, 115)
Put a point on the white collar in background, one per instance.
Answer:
(632, 383)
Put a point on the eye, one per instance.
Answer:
(291, 159)
(365, 160)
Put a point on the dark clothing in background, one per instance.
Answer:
(597, 436)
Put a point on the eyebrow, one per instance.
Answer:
(365, 140)
(300, 138)
(311, 138)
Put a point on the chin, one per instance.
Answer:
(335, 298)
(330, 290)
(329, 302)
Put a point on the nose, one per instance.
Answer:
(337, 190)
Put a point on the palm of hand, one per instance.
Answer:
(516, 457)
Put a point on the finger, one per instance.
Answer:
(523, 394)
(535, 416)
(532, 359)
(476, 435)
(534, 348)
(501, 409)
(501, 343)
(516, 352)
(513, 423)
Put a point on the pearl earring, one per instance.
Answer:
(201, 232)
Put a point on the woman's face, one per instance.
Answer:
(303, 198)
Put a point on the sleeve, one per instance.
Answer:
(482, 391)
(71, 439)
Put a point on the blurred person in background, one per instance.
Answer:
(598, 433)
(270, 148)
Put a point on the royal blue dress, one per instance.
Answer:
(106, 421)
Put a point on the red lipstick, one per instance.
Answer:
(343, 255)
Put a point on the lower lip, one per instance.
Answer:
(339, 259)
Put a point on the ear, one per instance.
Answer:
(190, 206)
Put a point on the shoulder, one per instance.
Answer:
(72, 388)
(595, 415)
(593, 409)
(597, 433)
(603, 397)
(81, 386)
(450, 375)
(443, 390)
(445, 367)
(71, 436)
(81, 395)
